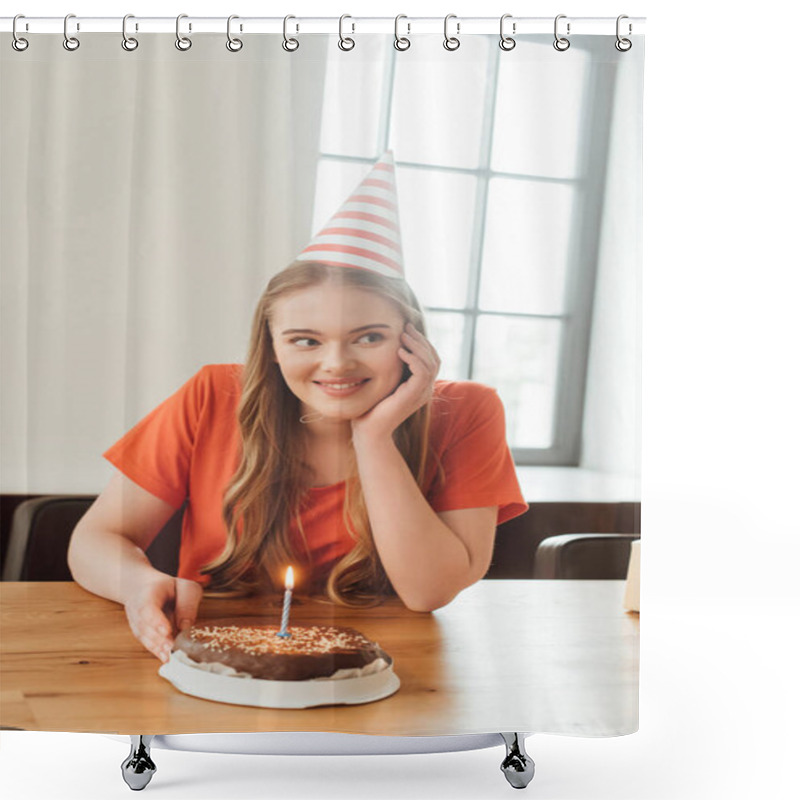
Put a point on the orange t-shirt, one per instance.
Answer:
(187, 449)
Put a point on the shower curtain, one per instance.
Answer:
(150, 192)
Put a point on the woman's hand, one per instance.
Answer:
(423, 361)
(159, 608)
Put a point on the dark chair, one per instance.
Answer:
(41, 529)
(587, 556)
(517, 539)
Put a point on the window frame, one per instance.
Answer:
(582, 257)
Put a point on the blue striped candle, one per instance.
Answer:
(287, 604)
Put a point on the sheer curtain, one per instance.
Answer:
(147, 197)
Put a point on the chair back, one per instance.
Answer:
(41, 530)
(517, 541)
(586, 556)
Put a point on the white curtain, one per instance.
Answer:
(613, 410)
(147, 197)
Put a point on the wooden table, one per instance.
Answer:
(533, 656)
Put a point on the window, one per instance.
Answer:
(500, 177)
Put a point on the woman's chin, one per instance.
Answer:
(334, 415)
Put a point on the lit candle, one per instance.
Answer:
(287, 603)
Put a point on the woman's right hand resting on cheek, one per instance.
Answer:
(159, 608)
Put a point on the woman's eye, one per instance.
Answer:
(304, 341)
(371, 338)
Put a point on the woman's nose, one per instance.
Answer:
(338, 358)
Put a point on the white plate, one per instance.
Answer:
(279, 694)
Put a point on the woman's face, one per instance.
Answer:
(336, 347)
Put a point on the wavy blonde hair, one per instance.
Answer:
(270, 486)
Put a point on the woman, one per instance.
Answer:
(351, 463)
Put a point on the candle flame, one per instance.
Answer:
(290, 578)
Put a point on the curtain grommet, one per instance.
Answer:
(507, 42)
(18, 42)
(233, 44)
(129, 43)
(346, 43)
(289, 44)
(561, 43)
(401, 43)
(622, 44)
(70, 43)
(451, 43)
(183, 43)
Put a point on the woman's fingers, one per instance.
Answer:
(420, 347)
(160, 633)
(188, 595)
(156, 632)
(147, 618)
(157, 646)
(419, 366)
(423, 367)
(150, 627)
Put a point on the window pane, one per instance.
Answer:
(525, 249)
(438, 102)
(436, 208)
(446, 333)
(354, 84)
(540, 111)
(519, 358)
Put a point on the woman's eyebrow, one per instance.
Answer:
(289, 331)
(367, 327)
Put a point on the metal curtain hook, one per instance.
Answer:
(451, 42)
(506, 42)
(289, 44)
(623, 45)
(561, 43)
(345, 42)
(17, 42)
(401, 42)
(233, 44)
(70, 42)
(182, 42)
(129, 43)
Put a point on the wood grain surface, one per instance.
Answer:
(536, 656)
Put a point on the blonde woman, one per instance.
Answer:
(333, 449)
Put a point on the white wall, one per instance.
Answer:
(612, 414)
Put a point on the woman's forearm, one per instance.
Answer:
(426, 562)
(107, 564)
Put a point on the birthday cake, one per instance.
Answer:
(317, 652)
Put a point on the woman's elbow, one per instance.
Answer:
(433, 600)
(426, 603)
(82, 551)
(75, 550)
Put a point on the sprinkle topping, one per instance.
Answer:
(263, 639)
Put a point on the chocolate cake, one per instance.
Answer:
(312, 652)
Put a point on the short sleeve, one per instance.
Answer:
(475, 457)
(156, 453)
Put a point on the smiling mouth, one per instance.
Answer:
(340, 386)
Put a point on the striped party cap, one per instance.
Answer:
(365, 232)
